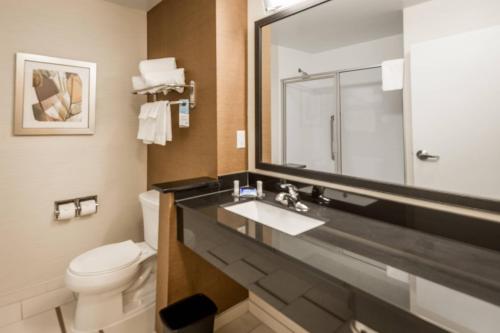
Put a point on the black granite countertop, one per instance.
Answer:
(186, 185)
(366, 263)
(467, 268)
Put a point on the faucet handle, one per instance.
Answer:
(318, 194)
(292, 189)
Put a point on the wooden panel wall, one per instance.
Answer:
(186, 30)
(231, 29)
(208, 39)
(182, 273)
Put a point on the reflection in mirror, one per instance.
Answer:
(400, 92)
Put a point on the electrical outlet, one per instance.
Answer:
(240, 139)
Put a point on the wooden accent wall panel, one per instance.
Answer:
(266, 95)
(231, 30)
(208, 39)
(181, 272)
(186, 30)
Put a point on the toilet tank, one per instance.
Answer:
(150, 202)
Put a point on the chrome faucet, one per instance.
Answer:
(290, 198)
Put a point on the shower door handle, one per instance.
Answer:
(332, 137)
(425, 156)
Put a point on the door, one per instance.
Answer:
(309, 111)
(371, 123)
(455, 94)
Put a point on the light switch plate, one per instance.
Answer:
(240, 139)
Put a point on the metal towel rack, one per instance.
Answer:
(166, 88)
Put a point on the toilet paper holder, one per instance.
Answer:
(76, 201)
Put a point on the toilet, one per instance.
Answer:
(111, 279)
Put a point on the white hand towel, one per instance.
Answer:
(138, 83)
(166, 77)
(155, 123)
(392, 74)
(157, 65)
(147, 125)
(163, 124)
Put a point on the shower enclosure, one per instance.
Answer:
(347, 124)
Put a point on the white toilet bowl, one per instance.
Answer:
(102, 275)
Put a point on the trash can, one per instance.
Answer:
(194, 314)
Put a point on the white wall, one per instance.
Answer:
(358, 55)
(36, 171)
(441, 18)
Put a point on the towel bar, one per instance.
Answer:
(166, 88)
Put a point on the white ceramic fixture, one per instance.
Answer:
(277, 218)
(272, 5)
(103, 275)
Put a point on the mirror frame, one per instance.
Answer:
(447, 198)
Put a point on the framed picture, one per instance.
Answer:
(54, 96)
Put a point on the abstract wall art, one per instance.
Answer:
(54, 96)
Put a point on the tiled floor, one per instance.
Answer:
(68, 311)
(247, 323)
(47, 322)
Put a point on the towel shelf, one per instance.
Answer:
(166, 88)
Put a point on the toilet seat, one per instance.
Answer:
(106, 259)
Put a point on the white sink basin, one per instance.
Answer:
(277, 218)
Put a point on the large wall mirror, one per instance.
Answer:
(393, 95)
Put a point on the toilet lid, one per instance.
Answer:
(105, 259)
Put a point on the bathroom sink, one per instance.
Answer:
(277, 218)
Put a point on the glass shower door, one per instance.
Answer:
(310, 123)
(372, 141)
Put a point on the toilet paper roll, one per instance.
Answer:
(66, 211)
(88, 207)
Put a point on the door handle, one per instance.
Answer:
(332, 137)
(425, 156)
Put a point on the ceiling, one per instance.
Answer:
(340, 23)
(144, 5)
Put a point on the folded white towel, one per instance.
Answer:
(175, 76)
(392, 74)
(157, 65)
(138, 83)
(155, 123)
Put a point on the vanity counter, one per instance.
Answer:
(349, 268)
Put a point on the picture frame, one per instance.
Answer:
(54, 96)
